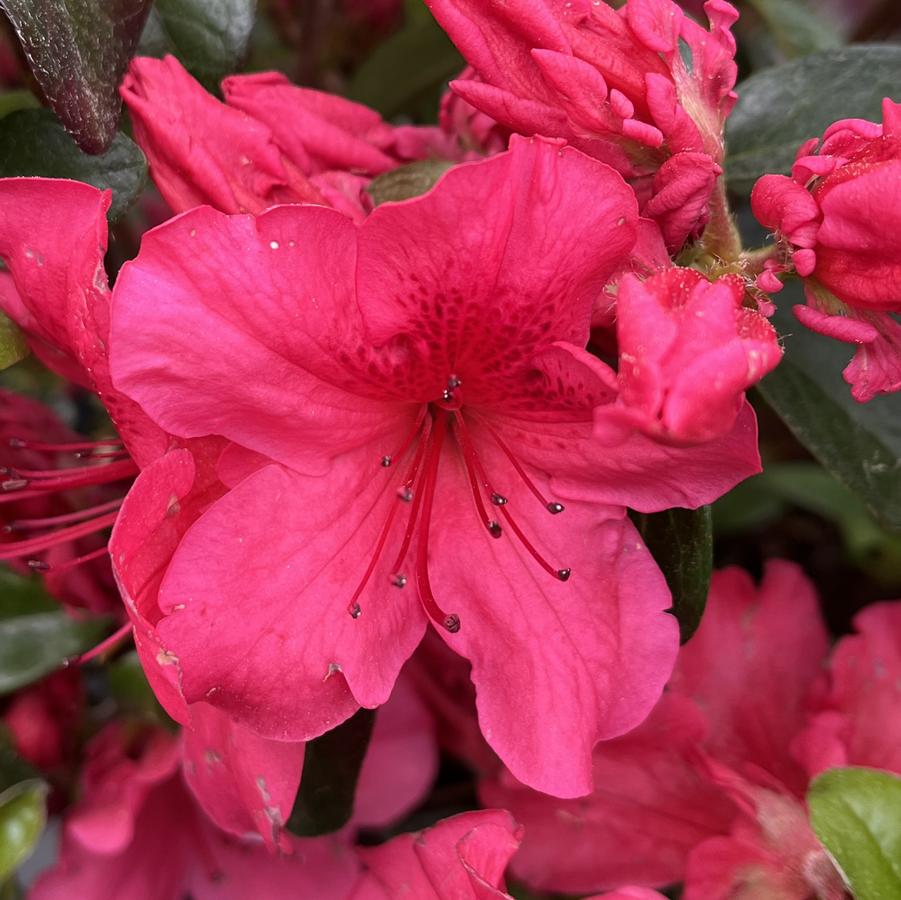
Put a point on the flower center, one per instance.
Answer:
(417, 489)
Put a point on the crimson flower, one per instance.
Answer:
(710, 788)
(644, 88)
(837, 220)
(410, 408)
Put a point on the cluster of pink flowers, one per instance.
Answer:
(378, 456)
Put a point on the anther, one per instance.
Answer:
(452, 623)
(447, 395)
(494, 529)
(405, 493)
(14, 484)
(38, 565)
(563, 574)
(453, 382)
(17, 443)
(498, 499)
(386, 462)
(554, 508)
(398, 580)
(355, 610)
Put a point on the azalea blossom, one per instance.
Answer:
(836, 220)
(270, 142)
(688, 349)
(409, 409)
(136, 834)
(710, 789)
(614, 84)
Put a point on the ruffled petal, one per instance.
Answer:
(247, 328)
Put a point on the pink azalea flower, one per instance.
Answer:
(613, 84)
(837, 222)
(52, 240)
(460, 858)
(136, 834)
(411, 400)
(688, 350)
(270, 142)
(710, 788)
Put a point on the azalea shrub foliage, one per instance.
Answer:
(450, 450)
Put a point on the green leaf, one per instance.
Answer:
(209, 37)
(408, 72)
(331, 767)
(856, 813)
(13, 101)
(858, 443)
(23, 815)
(78, 51)
(681, 541)
(32, 142)
(13, 346)
(36, 635)
(781, 107)
(797, 26)
(407, 181)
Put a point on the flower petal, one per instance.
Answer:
(771, 637)
(557, 666)
(246, 327)
(259, 617)
(532, 260)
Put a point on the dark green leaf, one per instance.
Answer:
(13, 346)
(859, 443)
(408, 72)
(23, 815)
(856, 813)
(781, 107)
(32, 142)
(408, 181)
(209, 37)
(331, 767)
(78, 50)
(13, 769)
(36, 635)
(798, 27)
(681, 541)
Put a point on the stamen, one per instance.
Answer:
(470, 453)
(561, 574)
(550, 506)
(104, 645)
(354, 607)
(42, 566)
(65, 479)
(494, 529)
(53, 521)
(46, 541)
(22, 444)
(387, 461)
(450, 622)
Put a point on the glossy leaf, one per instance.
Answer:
(856, 813)
(78, 51)
(32, 142)
(36, 634)
(331, 767)
(23, 815)
(859, 443)
(208, 36)
(681, 541)
(781, 107)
